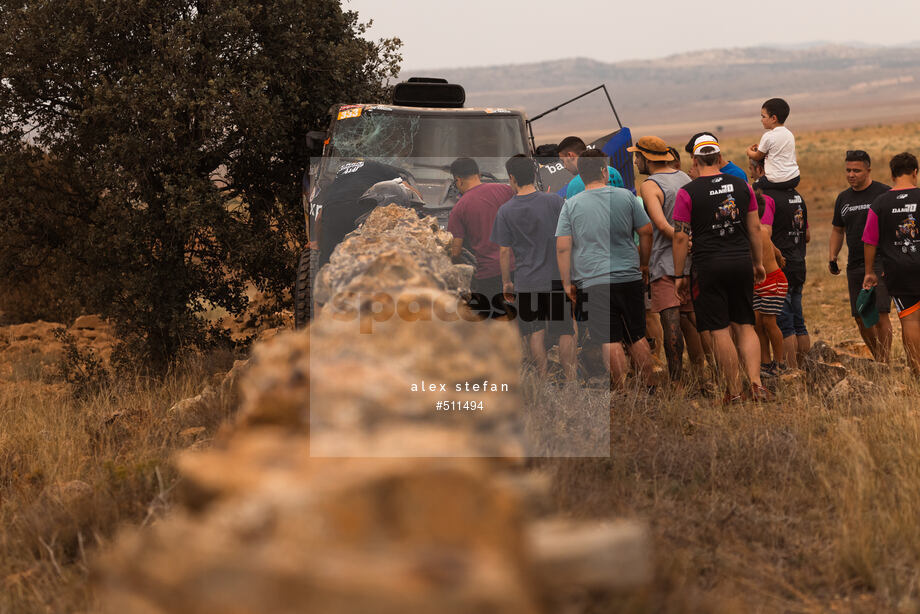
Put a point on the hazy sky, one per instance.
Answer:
(441, 34)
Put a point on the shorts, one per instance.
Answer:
(724, 293)
(546, 311)
(855, 278)
(612, 313)
(907, 305)
(487, 297)
(770, 294)
(664, 296)
(790, 320)
(765, 184)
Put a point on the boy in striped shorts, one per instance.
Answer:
(769, 295)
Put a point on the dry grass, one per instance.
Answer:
(788, 507)
(116, 445)
(799, 506)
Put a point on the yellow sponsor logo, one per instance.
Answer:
(350, 113)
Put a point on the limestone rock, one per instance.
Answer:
(820, 351)
(392, 536)
(852, 388)
(223, 392)
(823, 367)
(792, 380)
(31, 350)
(392, 249)
(308, 501)
(854, 347)
(592, 555)
(229, 385)
(350, 388)
(90, 322)
(196, 405)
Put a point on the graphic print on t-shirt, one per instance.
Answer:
(906, 235)
(894, 229)
(798, 222)
(726, 216)
(797, 234)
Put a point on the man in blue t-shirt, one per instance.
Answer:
(601, 269)
(525, 228)
(570, 149)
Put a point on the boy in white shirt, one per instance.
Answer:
(776, 148)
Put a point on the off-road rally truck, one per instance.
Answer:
(420, 134)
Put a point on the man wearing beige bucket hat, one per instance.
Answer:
(658, 192)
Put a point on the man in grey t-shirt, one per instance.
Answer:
(525, 230)
(601, 270)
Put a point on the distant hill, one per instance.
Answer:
(826, 85)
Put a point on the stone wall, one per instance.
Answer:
(339, 489)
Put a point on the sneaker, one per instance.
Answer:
(730, 399)
(760, 394)
(767, 370)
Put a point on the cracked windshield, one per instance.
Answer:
(426, 145)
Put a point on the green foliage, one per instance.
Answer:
(82, 369)
(151, 153)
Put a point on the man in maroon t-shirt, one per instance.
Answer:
(471, 222)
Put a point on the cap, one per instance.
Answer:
(390, 192)
(689, 146)
(652, 148)
(705, 144)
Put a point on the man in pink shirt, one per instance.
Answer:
(893, 232)
(720, 211)
(471, 222)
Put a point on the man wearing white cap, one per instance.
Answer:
(720, 211)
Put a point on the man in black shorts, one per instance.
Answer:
(525, 228)
(849, 221)
(720, 211)
(893, 228)
(601, 269)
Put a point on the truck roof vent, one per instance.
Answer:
(429, 92)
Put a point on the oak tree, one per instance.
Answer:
(151, 152)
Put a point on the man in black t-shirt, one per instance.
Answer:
(790, 235)
(850, 213)
(893, 228)
(720, 211)
(340, 201)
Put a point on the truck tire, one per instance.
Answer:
(303, 291)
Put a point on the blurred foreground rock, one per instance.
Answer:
(392, 250)
(338, 488)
